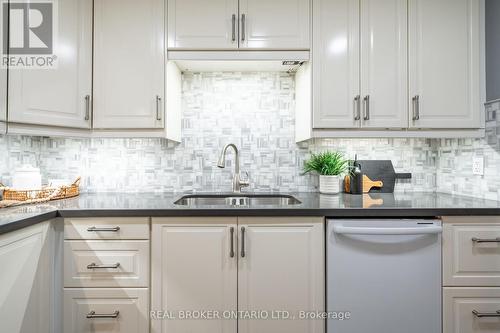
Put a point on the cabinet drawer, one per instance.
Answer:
(106, 228)
(471, 254)
(121, 310)
(96, 263)
(458, 307)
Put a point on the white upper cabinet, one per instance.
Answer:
(128, 64)
(3, 92)
(3, 95)
(384, 87)
(359, 64)
(61, 96)
(336, 64)
(208, 24)
(444, 54)
(233, 24)
(276, 24)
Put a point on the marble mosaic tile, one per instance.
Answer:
(256, 112)
(454, 166)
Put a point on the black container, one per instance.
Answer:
(356, 179)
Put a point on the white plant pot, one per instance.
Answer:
(329, 184)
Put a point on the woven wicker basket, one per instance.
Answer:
(63, 192)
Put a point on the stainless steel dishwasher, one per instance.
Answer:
(384, 276)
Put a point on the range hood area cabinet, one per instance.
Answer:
(125, 92)
(397, 64)
(238, 24)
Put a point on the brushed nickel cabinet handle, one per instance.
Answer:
(486, 240)
(366, 107)
(416, 107)
(243, 242)
(233, 28)
(158, 107)
(357, 107)
(87, 107)
(231, 234)
(95, 266)
(486, 314)
(243, 30)
(112, 229)
(93, 314)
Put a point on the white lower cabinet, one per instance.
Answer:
(106, 275)
(26, 280)
(281, 268)
(221, 264)
(99, 310)
(471, 310)
(193, 270)
(471, 274)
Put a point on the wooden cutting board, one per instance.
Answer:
(368, 184)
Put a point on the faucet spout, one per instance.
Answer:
(238, 183)
(222, 158)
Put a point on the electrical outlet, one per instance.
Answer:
(478, 165)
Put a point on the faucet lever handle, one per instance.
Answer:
(245, 181)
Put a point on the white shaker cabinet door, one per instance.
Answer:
(384, 87)
(3, 89)
(336, 100)
(60, 96)
(202, 24)
(194, 267)
(281, 268)
(277, 24)
(444, 63)
(128, 64)
(3, 98)
(25, 299)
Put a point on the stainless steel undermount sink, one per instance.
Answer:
(237, 199)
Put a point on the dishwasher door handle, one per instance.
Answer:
(343, 230)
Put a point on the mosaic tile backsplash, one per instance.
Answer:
(256, 112)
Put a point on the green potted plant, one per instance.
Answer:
(329, 166)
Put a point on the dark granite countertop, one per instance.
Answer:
(313, 204)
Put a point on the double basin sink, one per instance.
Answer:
(237, 199)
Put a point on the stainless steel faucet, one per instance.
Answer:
(238, 183)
